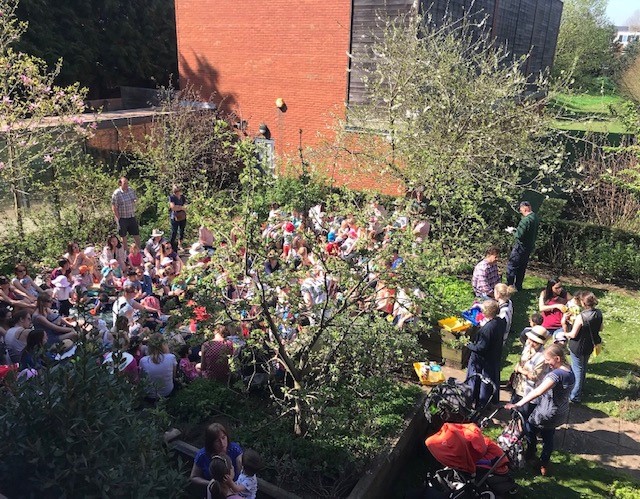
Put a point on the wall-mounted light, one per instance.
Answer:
(264, 130)
(280, 103)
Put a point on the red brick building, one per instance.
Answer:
(250, 54)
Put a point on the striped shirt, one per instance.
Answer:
(125, 202)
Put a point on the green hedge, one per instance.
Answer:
(602, 252)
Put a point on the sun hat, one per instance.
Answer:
(112, 261)
(331, 237)
(166, 261)
(289, 227)
(90, 251)
(61, 282)
(157, 233)
(196, 249)
(538, 334)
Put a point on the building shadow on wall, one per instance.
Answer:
(199, 73)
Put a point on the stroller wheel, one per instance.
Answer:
(487, 494)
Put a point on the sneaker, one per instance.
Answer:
(545, 469)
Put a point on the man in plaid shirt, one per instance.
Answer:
(485, 274)
(123, 204)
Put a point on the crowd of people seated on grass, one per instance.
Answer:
(135, 301)
(130, 294)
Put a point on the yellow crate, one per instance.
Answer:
(454, 324)
(430, 378)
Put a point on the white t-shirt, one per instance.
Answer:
(250, 483)
(14, 345)
(159, 376)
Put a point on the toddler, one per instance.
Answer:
(247, 483)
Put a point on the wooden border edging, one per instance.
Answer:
(377, 481)
(188, 450)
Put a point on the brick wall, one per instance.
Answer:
(251, 53)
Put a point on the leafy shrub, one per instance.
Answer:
(200, 400)
(72, 431)
(605, 253)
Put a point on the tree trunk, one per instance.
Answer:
(17, 208)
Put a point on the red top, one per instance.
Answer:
(215, 359)
(552, 318)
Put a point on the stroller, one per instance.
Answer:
(452, 401)
(475, 466)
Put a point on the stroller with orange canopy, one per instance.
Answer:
(474, 465)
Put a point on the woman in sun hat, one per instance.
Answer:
(531, 369)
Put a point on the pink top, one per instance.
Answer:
(135, 260)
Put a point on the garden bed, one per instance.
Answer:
(327, 462)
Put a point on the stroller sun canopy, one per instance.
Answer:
(462, 447)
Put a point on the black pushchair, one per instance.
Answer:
(452, 401)
(474, 465)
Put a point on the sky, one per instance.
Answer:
(620, 10)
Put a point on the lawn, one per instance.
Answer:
(594, 113)
(613, 378)
(572, 478)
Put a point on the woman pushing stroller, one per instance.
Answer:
(552, 397)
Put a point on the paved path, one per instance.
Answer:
(592, 435)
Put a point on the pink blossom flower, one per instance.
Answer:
(48, 158)
(1, 165)
(77, 120)
(25, 80)
(6, 100)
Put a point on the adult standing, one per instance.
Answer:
(486, 275)
(552, 397)
(177, 217)
(583, 337)
(123, 204)
(486, 354)
(525, 235)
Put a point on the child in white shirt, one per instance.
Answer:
(247, 483)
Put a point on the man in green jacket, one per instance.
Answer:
(525, 234)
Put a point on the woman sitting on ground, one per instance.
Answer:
(34, 354)
(552, 304)
(215, 355)
(159, 368)
(583, 336)
(216, 442)
(113, 250)
(16, 337)
(76, 257)
(56, 327)
(10, 297)
(552, 396)
(23, 282)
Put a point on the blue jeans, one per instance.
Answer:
(177, 227)
(579, 368)
(547, 440)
